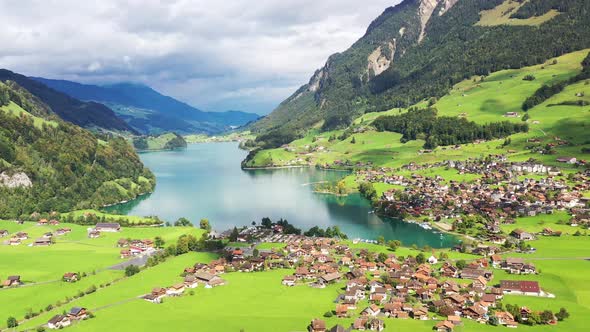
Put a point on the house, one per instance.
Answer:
(42, 222)
(317, 325)
(444, 326)
(505, 318)
(70, 277)
(3, 233)
(511, 114)
(372, 310)
(341, 311)
(108, 227)
(93, 234)
(125, 253)
(14, 242)
(210, 280)
(42, 242)
(360, 324)
(289, 281)
(522, 235)
(475, 312)
(420, 313)
(21, 236)
(432, 260)
(516, 265)
(456, 320)
(63, 231)
(78, 313)
(375, 324)
(190, 281)
(479, 283)
(521, 287)
(175, 290)
(12, 281)
(58, 322)
(568, 160)
(331, 277)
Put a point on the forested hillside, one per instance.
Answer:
(90, 115)
(419, 50)
(47, 164)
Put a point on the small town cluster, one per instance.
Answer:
(500, 193)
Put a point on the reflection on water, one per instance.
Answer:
(205, 181)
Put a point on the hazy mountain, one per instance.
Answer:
(151, 112)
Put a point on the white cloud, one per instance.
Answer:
(213, 54)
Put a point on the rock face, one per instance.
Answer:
(17, 180)
(381, 58)
(426, 9)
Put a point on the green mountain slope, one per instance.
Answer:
(561, 122)
(420, 49)
(47, 164)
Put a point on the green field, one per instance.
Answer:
(99, 214)
(16, 110)
(41, 268)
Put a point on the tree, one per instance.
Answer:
(525, 117)
(382, 257)
(255, 253)
(353, 140)
(381, 240)
(547, 316)
(393, 244)
(11, 322)
(420, 258)
(159, 242)
(266, 222)
(534, 319)
(204, 224)
(562, 314)
(182, 245)
(461, 264)
(131, 270)
(233, 237)
(183, 222)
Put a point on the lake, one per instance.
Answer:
(206, 181)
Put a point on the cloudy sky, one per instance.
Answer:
(215, 55)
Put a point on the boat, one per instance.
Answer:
(425, 225)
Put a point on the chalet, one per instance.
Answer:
(505, 318)
(14, 241)
(516, 265)
(338, 328)
(432, 260)
(107, 227)
(175, 290)
(59, 322)
(479, 283)
(511, 114)
(475, 312)
(341, 311)
(53, 222)
(21, 236)
(568, 160)
(471, 273)
(42, 242)
(78, 313)
(496, 260)
(520, 287)
(42, 222)
(360, 324)
(520, 234)
(210, 280)
(331, 277)
(125, 253)
(420, 314)
(289, 281)
(456, 320)
(190, 281)
(372, 310)
(317, 325)
(94, 234)
(63, 231)
(3, 233)
(153, 298)
(70, 277)
(444, 326)
(12, 281)
(302, 272)
(375, 324)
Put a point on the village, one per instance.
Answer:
(501, 192)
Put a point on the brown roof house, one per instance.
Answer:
(317, 325)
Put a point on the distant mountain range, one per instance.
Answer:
(148, 111)
(84, 114)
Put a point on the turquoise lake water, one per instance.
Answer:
(206, 181)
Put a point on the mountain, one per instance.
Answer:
(149, 111)
(84, 114)
(48, 164)
(418, 50)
